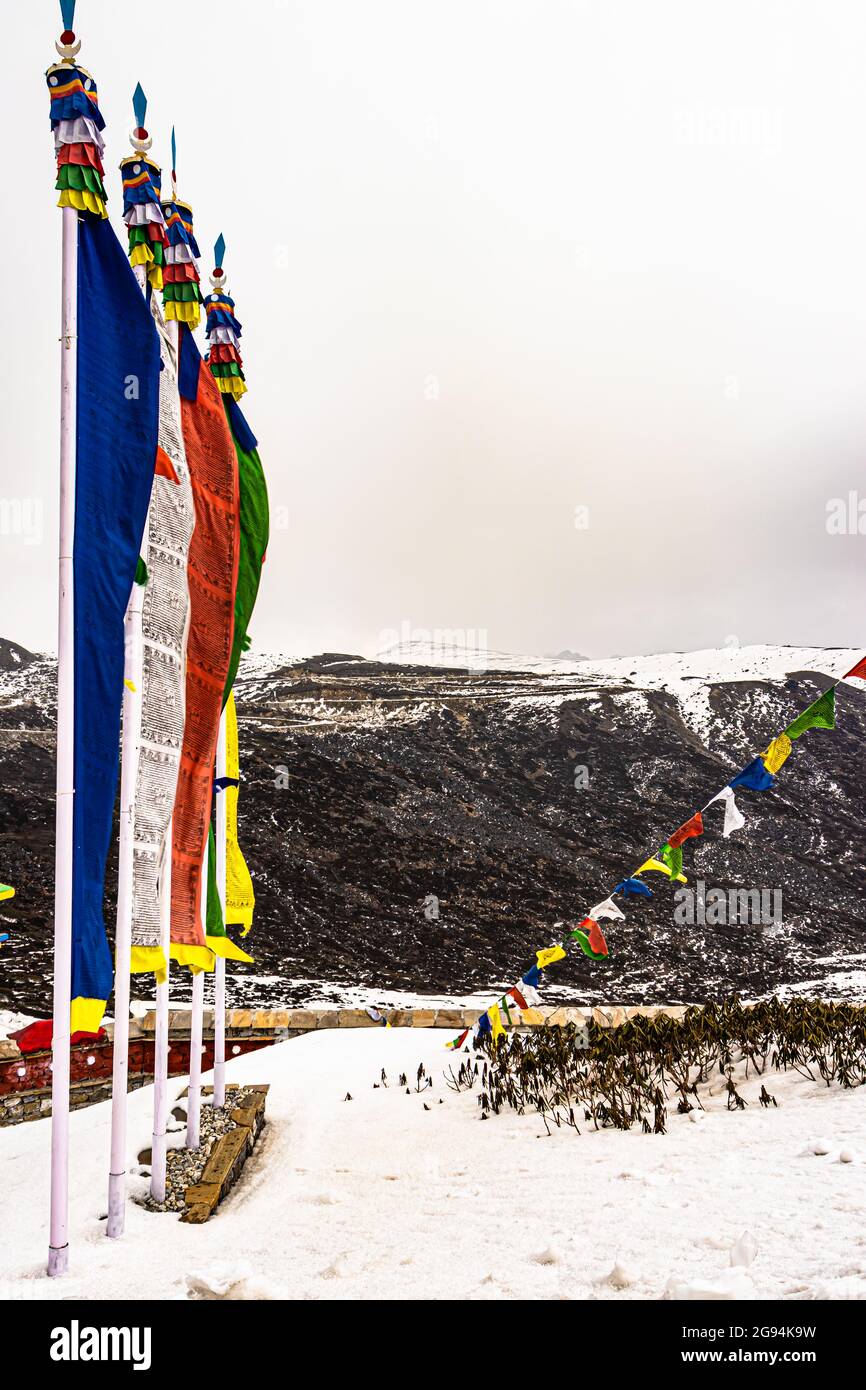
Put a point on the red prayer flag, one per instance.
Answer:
(695, 826)
(859, 670)
(595, 935)
(38, 1035)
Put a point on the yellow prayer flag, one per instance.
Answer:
(495, 1021)
(240, 898)
(777, 753)
(548, 956)
(659, 867)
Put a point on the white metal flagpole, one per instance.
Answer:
(130, 745)
(160, 1041)
(196, 1032)
(219, 1043)
(58, 1249)
(129, 753)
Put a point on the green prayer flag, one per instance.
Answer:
(215, 924)
(673, 857)
(583, 942)
(255, 526)
(820, 715)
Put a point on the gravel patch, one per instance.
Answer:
(183, 1166)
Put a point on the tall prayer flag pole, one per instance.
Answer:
(130, 750)
(226, 365)
(219, 1046)
(108, 444)
(160, 1037)
(58, 1247)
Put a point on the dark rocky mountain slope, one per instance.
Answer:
(368, 787)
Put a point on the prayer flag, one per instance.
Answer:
(734, 819)
(548, 955)
(607, 909)
(777, 753)
(496, 1022)
(634, 888)
(116, 442)
(254, 532)
(755, 777)
(654, 865)
(692, 827)
(672, 856)
(590, 939)
(212, 571)
(165, 610)
(819, 715)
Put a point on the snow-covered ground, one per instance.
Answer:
(395, 1196)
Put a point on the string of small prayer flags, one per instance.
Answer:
(758, 775)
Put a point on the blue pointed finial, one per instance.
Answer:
(219, 251)
(139, 105)
(67, 13)
(173, 152)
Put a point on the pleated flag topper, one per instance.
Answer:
(181, 291)
(142, 211)
(223, 331)
(77, 124)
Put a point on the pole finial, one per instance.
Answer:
(67, 45)
(173, 165)
(218, 279)
(139, 138)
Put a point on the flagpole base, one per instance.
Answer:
(58, 1261)
(157, 1170)
(116, 1205)
(193, 1105)
(219, 1046)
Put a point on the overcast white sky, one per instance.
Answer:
(495, 262)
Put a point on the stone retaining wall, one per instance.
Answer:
(25, 1080)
